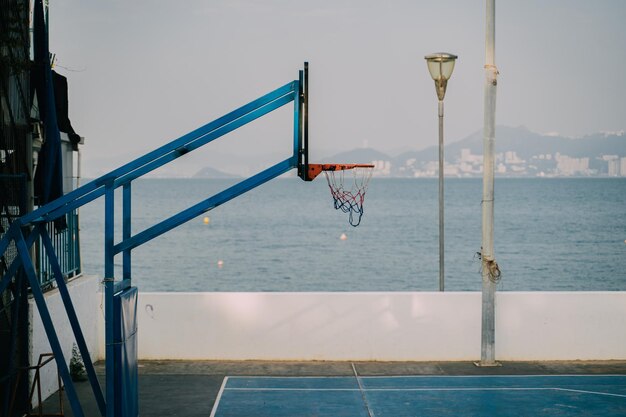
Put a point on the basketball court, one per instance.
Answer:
(350, 394)
(396, 396)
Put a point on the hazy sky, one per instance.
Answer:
(142, 73)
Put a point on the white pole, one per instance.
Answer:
(490, 271)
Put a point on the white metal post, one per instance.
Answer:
(487, 352)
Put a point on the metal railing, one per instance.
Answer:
(64, 236)
(65, 241)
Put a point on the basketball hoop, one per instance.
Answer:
(347, 189)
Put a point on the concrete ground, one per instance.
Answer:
(189, 388)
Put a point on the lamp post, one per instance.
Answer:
(440, 66)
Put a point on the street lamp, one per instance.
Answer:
(440, 66)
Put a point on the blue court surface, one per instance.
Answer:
(398, 396)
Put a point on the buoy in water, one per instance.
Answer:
(343, 236)
(220, 263)
(206, 220)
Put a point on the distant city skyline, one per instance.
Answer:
(143, 73)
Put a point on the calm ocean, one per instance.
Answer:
(550, 234)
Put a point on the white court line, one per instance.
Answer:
(219, 397)
(363, 396)
(292, 389)
(429, 376)
(394, 389)
(424, 389)
(591, 392)
(291, 377)
(493, 376)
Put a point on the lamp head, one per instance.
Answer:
(440, 66)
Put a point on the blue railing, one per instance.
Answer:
(65, 241)
(13, 204)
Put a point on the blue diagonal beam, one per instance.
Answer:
(48, 325)
(217, 133)
(73, 318)
(206, 205)
(86, 198)
(141, 166)
(179, 143)
(185, 139)
(61, 202)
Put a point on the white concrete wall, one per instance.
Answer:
(392, 326)
(86, 298)
(379, 326)
(395, 326)
(560, 325)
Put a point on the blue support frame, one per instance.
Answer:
(33, 224)
(73, 317)
(48, 325)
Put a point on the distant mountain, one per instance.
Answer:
(208, 172)
(527, 144)
(519, 152)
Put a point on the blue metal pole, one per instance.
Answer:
(60, 203)
(109, 279)
(48, 326)
(80, 201)
(126, 230)
(184, 140)
(73, 318)
(215, 134)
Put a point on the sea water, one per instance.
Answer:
(557, 234)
